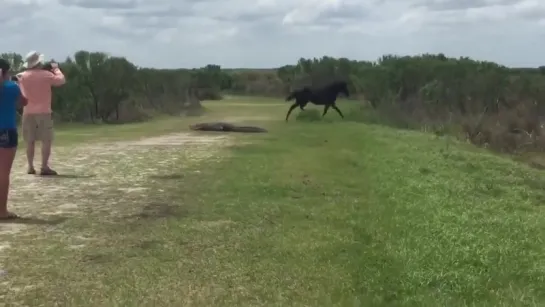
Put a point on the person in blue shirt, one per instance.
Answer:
(10, 96)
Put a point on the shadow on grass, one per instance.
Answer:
(167, 176)
(35, 221)
(69, 176)
(161, 210)
(99, 258)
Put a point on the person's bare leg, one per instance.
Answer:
(30, 149)
(4, 190)
(46, 152)
(29, 136)
(6, 156)
(46, 136)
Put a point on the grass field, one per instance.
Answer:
(311, 214)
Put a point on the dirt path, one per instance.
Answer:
(97, 178)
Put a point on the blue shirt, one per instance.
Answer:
(9, 96)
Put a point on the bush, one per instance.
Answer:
(362, 113)
(509, 130)
(195, 112)
(384, 115)
(209, 94)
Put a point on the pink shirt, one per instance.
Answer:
(36, 86)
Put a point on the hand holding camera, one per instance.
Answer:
(51, 65)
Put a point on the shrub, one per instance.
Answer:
(387, 115)
(195, 112)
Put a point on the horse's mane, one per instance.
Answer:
(337, 86)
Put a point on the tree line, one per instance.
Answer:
(103, 88)
(425, 90)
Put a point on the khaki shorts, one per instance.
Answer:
(37, 127)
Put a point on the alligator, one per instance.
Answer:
(225, 127)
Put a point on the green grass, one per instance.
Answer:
(239, 108)
(312, 214)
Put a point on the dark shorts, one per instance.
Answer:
(8, 138)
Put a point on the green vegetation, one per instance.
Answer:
(318, 212)
(488, 104)
(328, 213)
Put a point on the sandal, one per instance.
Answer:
(31, 171)
(48, 172)
(10, 216)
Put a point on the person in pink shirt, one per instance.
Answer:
(36, 83)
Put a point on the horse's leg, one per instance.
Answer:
(293, 106)
(325, 109)
(337, 109)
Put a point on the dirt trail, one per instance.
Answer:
(93, 171)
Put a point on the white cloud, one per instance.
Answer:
(268, 33)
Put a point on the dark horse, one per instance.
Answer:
(323, 96)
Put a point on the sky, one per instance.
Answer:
(272, 33)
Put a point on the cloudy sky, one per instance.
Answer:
(270, 33)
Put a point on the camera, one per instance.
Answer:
(47, 66)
